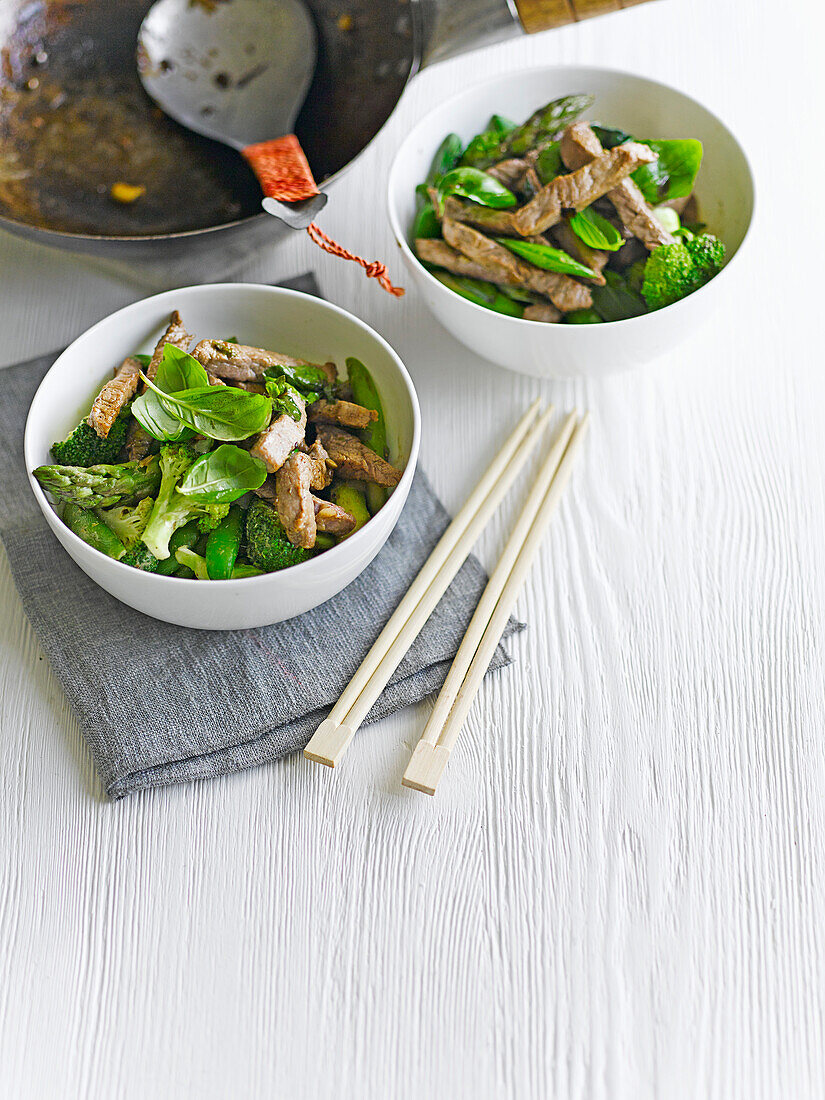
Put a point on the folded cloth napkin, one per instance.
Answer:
(162, 704)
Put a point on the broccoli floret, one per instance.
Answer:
(127, 523)
(708, 255)
(675, 270)
(266, 543)
(84, 447)
(172, 509)
(196, 562)
(140, 557)
(669, 275)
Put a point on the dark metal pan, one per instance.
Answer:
(74, 120)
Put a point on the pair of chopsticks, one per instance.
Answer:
(332, 738)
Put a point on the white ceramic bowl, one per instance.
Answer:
(644, 107)
(261, 315)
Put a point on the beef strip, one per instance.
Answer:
(276, 443)
(354, 459)
(138, 442)
(434, 251)
(114, 396)
(499, 222)
(321, 466)
(345, 413)
(565, 293)
(296, 508)
(242, 363)
(580, 188)
(509, 172)
(579, 148)
(544, 312)
(594, 258)
(328, 517)
(332, 518)
(176, 335)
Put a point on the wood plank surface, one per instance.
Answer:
(617, 892)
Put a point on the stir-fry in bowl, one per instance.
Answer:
(214, 459)
(536, 207)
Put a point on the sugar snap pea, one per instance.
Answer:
(482, 293)
(223, 545)
(93, 530)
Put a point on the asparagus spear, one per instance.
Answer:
(101, 486)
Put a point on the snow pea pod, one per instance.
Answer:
(446, 158)
(547, 257)
(478, 186)
(426, 223)
(482, 293)
(365, 392)
(93, 530)
(223, 545)
(350, 497)
(186, 536)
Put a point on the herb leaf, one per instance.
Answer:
(220, 412)
(547, 258)
(596, 231)
(615, 301)
(478, 186)
(286, 400)
(673, 175)
(223, 475)
(160, 424)
(179, 371)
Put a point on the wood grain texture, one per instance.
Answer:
(617, 893)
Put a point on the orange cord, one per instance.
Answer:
(374, 270)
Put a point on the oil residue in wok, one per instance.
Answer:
(74, 118)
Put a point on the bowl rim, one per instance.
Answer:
(356, 539)
(466, 93)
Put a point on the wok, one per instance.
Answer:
(74, 119)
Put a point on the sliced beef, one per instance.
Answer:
(434, 251)
(579, 148)
(295, 505)
(499, 222)
(242, 363)
(509, 172)
(565, 293)
(332, 518)
(114, 396)
(594, 258)
(176, 335)
(275, 443)
(544, 312)
(345, 413)
(267, 491)
(354, 459)
(580, 188)
(321, 469)
(138, 442)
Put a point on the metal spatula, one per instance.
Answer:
(237, 71)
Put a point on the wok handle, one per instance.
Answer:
(542, 15)
(282, 169)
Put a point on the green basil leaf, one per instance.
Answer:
(220, 412)
(159, 423)
(178, 371)
(596, 231)
(615, 301)
(547, 257)
(223, 475)
(673, 174)
(303, 376)
(473, 184)
(609, 136)
(144, 360)
(549, 163)
(286, 400)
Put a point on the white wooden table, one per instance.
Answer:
(618, 891)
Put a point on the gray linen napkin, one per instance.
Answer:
(164, 704)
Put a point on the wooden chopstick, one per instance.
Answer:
(432, 752)
(330, 741)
